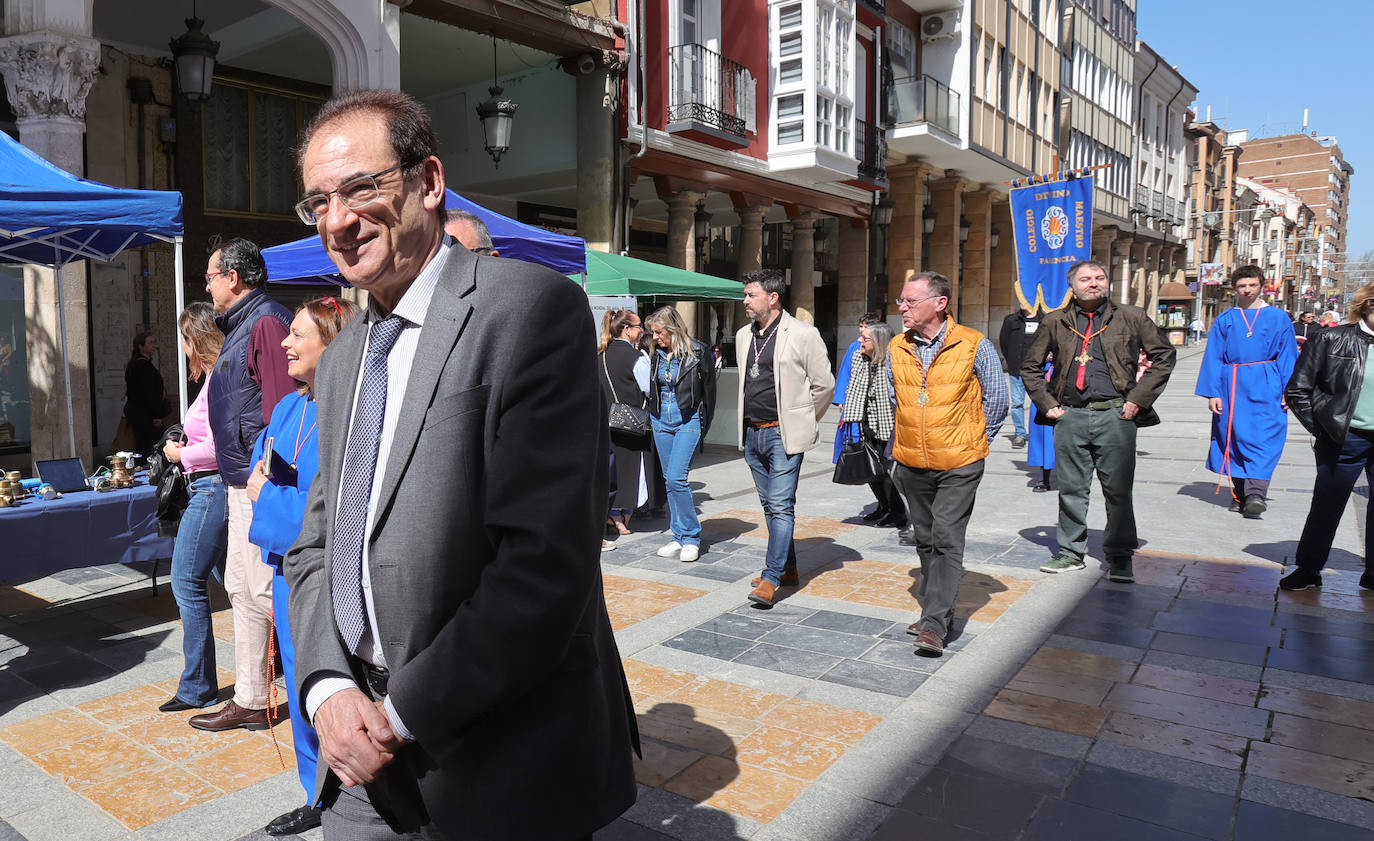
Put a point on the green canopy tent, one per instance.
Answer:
(612, 274)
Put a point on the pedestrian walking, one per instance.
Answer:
(1040, 444)
(1248, 362)
(868, 410)
(682, 402)
(1018, 329)
(1096, 400)
(1332, 396)
(785, 387)
(842, 433)
(950, 397)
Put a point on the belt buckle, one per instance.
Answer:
(377, 678)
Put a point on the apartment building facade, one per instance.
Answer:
(1315, 169)
(977, 91)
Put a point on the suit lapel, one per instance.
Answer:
(445, 319)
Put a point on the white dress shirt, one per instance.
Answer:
(412, 307)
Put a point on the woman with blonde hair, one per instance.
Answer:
(682, 401)
(203, 535)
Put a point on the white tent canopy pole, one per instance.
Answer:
(181, 307)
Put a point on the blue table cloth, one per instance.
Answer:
(39, 537)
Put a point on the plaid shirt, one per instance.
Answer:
(987, 366)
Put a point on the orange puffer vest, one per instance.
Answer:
(949, 430)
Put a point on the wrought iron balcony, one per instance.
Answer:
(708, 89)
(1142, 197)
(870, 148)
(922, 99)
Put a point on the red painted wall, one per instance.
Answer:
(744, 39)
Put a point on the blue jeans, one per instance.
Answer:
(677, 441)
(199, 552)
(1018, 403)
(775, 478)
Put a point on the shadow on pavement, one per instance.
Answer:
(1284, 551)
(1207, 492)
(686, 761)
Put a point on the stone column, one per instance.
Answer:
(947, 198)
(47, 76)
(852, 300)
(804, 267)
(1119, 274)
(595, 148)
(1103, 239)
(906, 235)
(974, 289)
(1150, 298)
(682, 247)
(1002, 299)
(1139, 274)
(750, 251)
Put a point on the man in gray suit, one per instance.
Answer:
(452, 642)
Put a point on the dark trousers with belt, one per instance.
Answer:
(1338, 466)
(939, 503)
(1100, 441)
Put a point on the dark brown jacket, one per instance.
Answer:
(1126, 331)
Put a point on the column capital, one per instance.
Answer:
(752, 215)
(48, 74)
(684, 199)
(805, 220)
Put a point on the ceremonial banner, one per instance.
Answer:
(1052, 223)
(1213, 274)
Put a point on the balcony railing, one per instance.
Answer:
(922, 99)
(1173, 208)
(1142, 197)
(708, 88)
(870, 148)
(879, 6)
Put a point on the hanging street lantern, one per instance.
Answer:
(497, 115)
(194, 54)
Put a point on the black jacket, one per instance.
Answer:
(1326, 381)
(1126, 331)
(1013, 340)
(695, 386)
(166, 475)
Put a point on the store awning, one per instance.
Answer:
(614, 274)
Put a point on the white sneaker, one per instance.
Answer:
(690, 553)
(607, 546)
(670, 550)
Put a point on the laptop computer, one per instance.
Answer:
(64, 474)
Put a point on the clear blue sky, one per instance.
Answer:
(1259, 63)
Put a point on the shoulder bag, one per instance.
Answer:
(631, 420)
(858, 464)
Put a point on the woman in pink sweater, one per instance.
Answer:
(204, 531)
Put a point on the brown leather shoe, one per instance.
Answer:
(764, 594)
(231, 716)
(787, 579)
(928, 640)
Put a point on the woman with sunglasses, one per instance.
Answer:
(278, 487)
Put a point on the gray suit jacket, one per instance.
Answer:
(485, 559)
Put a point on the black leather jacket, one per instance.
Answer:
(695, 386)
(1326, 381)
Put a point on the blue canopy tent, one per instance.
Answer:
(305, 260)
(49, 217)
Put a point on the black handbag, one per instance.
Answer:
(859, 463)
(631, 420)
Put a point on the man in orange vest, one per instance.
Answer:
(950, 398)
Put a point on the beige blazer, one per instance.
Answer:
(802, 377)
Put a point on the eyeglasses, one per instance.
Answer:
(355, 193)
(211, 275)
(481, 249)
(911, 302)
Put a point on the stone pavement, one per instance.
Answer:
(1193, 704)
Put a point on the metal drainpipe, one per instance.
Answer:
(634, 39)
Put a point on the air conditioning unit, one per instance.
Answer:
(940, 25)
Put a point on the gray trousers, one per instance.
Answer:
(1101, 442)
(939, 503)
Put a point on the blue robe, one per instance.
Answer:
(1259, 425)
(842, 386)
(277, 517)
(1040, 437)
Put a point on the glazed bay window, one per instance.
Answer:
(245, 129)
(813, 53)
